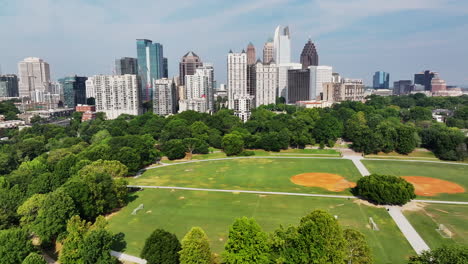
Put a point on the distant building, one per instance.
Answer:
(199, 90)
(34, 78)
(74, 90)
(150, 65)
(298, 86)
(164, 100)
(165, 68)
(268, 52)
(309, 56)
(437, 84)
(117, 94)
(126, 65)
(402, 87)
(344, 90)
(251, 57)
(187, 66)
(239, 98)
(282, 45)
(283, 77)
(266, 83)
(314, 104)
(9, 85)
(381, 80)
(425, 79)
(90, 89)
(318, 76)
(89, 112)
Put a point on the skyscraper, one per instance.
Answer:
(165, 68)
(283, 77)
(199, 90)
(164, 100)
(126, 65)
(424, 78)
(251, 57)
(318, 76)
(282, 45)
(9, 85)
(74, 90)
(268, 51)
(266, 83)
(188, 64)
(34, 78)
(150, 65)
(381, 80)
(309, 56)
(298, 85)
(238, 97)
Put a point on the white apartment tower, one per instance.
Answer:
(282, 45)
(34, 78)
(238, 97)
(199, 90)
(90, 90)
(117, 94)
(266, 83)
(164, 97)
(318, 76)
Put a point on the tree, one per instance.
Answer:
(384, 189)
(30, 209)
(96, 247)
(328, 129)
(113, 168)
(129, 157)
(357, 249)
(161, 247)
(76, 229)
(247, 243)
(233, 144)
(15, 245)
(195, 247)
(174, 149)
(100, 136)
(34, 258)
(406, 139)
(455, 254)
(195, 145)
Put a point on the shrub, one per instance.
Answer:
(384, 189)
(247, 153)
(161, 247)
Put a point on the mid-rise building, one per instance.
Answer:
(381, 80)
(309, 55)
(425, 79)
(117, 94)
(150, 65)
(199, 90)
(283, 77)
(298, 86)
(89, 112)
(344, 90)
(402, 87)
(90, 89)
(239, 98)
(437, 84)
(126, 65)
(164, 100)
(318, 76)
(266, 83)
(268, 51)
(282, 45)
(74, 90)
(9, 85)
(187, 66)
(34, 78)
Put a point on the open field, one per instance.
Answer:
(177, 211)
(257, 174)
(449, 172)
(418, 154)
(427, 220)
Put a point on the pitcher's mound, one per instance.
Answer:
(425, 186)
(328, 181)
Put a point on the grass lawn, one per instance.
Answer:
(449, 172)
(259, 174)
(417, 154)
(453, 217)
(177, 211)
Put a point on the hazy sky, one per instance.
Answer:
(356, 37)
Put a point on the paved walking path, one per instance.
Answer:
(125, 257)
(357, 162)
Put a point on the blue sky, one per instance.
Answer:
(356, 37)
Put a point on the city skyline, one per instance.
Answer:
(356, 36)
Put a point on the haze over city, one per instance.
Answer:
(357, 37)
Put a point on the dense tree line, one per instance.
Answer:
(384, 189)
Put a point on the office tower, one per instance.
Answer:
(90, 89)
(117, 94)
(9, 85)
(381, 80)
(340, 90)
(318, 76)
(282, 45)
(164, 100)
(283, 77)
(268, 52)
(298, 86)
(199, 91)
(238, 97)
(402, 87)
(188, 64)
(437, 84)
(165, 68)
(424, 78)
(309, 56)
(74, 90)
(34, 78)
(126, 65)
(251, 57)
(266, 83)
(150, 65)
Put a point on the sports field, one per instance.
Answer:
(257, 174)
(454, 185)
(177, 211)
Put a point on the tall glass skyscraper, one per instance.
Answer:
(150, 65)
(74, 90)
(381, 80)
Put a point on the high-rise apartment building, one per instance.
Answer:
(282, 45)
(150, 65)
(126, 65)
(164, 100)
(309, 55)
(251, 57)
(318, 76)
(74, 90)
(199, 90)
(187, 66)
(425, 78)
(117, 94)
(239, 98)
(381, 80)
(165, 68)
(90, 89)
(34, 78)
(268, 51)
(266, 83)
(298, 86)
(9, 85)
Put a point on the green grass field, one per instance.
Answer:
(259, 174)
(449, 172)
(426, 221)
(177, 211)
(417, 155)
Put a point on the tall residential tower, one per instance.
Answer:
(239, 98)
